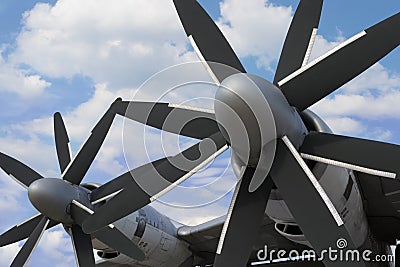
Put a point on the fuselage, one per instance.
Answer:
(156, 236)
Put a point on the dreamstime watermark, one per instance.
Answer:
(339, 253)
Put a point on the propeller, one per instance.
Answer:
(64, 200)
(145, 184)
(261, 122)
(299, 39)
(208, 41)
(349, 59)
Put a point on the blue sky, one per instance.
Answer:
(76, 57)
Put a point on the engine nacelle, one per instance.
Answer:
(292, 232)
(338, 183)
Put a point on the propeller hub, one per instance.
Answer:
(52, 198)
(252, 113)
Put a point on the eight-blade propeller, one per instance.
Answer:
(64, 201)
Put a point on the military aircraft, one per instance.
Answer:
(300, 186)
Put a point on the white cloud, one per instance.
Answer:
(8, 253)
(56, 244)
(255, 28)
(119, 43)
(368, 107)
(345, 125)
(372, 96)
(322, 45)
(377, 78)
(33, 152)
(20, 81)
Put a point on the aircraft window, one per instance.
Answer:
(140, 228)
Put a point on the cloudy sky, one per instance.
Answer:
(76, 57)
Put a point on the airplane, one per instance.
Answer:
(300, 185)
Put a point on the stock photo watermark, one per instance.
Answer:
(337, 254)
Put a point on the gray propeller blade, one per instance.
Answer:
(76, 171)
(372, 157)
(26, 251)
(113, 238)
(18, 171)
(62, 142)
(159, 180)
(23, 230)
(317, 79)
(83, 248)
(246, 212)
(109, 235)
(114, 186)
(306, 199)
(188, 122)
(300, 38)
(208, 38)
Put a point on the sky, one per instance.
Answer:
(76, 57)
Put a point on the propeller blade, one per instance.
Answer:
(300, 38)
(113, 238)
(62, 142)
(207, 39)
(77, 169)
(158, 181)
(114, 186)
(83, 248)
(191, 122)
(306, 199)
(372, 157)
(109, 235)
(26, 251)
(23, 230)
(245, 212)
(21, 173)
(348, 60)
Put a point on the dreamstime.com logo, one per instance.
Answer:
(340, 253)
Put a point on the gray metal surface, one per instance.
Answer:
(52, 197)
(304, 202)
(113, 238)
(108, 235)
(203, 238)
(243, 222)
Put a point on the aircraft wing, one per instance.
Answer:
(382, 205)
(203, 238)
